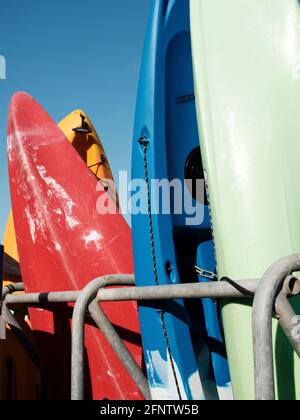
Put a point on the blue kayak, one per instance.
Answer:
(183, 345)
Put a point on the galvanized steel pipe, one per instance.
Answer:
(119, 348)
(178, 291)
(85, 298)
(173, 291)
(12, 288)
(263, 305)
(40, 298)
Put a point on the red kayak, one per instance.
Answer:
(63, 244)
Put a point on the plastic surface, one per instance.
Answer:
(63, 244)
(246, 66)
(166, 118)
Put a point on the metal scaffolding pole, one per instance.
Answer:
(272, 291)
(119, 347)
(263, 305)
(86, 296)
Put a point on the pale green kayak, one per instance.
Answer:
(247, 73)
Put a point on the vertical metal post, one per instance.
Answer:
(286, 316)
(85, 298)
(119, 348)
(263, 307)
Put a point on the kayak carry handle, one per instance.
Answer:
(85, 128)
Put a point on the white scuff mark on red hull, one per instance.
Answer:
(9, 147)
(20, 154)
(33, 211)
(112, 375)
(113, 239)
(39, 218)
(71, 222)
(57, 246)
(31, 224)
(58, 191)
(93, 237)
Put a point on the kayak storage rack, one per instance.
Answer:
(270, 296)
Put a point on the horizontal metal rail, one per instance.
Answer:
(42, 298)
(167, 292)
(172, 291)
(12, 288)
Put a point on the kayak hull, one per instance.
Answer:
(175, 336)
(64, 243)
(248, 96)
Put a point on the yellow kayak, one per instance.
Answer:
(78, 128)
(20, 379)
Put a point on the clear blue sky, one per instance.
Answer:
(72, 54)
